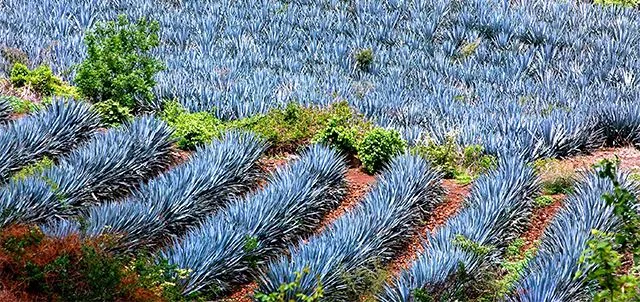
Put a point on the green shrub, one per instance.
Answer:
(461, 164)
(344, 129)
(625, 3)
(112, 113)
(364, 59)
(285, 129)
(119, 65)
(190, 129)
(41, 80)
(378, 147)
(19, 75)
(34, 169)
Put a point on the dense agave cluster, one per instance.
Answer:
(552, 274)
(108, 167)
(5, 110)
(168, 205)
(439, 66)
(497, 212)
(52, 132)
(228, 246)
(365, 239)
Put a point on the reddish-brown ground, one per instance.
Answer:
(630, 161)
(629, 156)
(358, 184)
(540, 220)
(453, 200)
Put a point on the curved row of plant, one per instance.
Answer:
(462, 252)
(170, 204)
(230, 245)
(340, 263)
(579, 259)
(108, 167)
(49, 133)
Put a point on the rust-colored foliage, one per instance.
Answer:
(34, 267)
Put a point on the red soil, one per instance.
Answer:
(630, 161)
(454, 198)
(540, 220)
(629, 156)
(358, 184)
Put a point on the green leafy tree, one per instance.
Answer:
(119, 65)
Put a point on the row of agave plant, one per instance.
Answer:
(168, 205)
(556, 273)
(109, 166)
(52, 132)
(366, 239)
(535, 68)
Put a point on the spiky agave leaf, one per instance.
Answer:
(552, 274)
(109, 166)
(181, 198)
(228, 246)
(51, 132)
(496, 212)
(5, 110)
(366, 238)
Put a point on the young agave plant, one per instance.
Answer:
(5, 111)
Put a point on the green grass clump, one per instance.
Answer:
(190, 129)
(556, 177)
(543, 201)
(36, 168)
(462, 164)
(41, 80)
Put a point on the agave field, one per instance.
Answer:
(527, 80)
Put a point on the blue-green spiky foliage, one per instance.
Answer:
(552, 274)
(165, 207)
(364, 239)
(497, 212)
(5, 110)
(51, 132)
(108, 167)
(228, 247)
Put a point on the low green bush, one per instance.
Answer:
(191, 129)
(344, 129)
(41, 80)
(624, 3)
(20, 106)
(455, 162)
(112, 113)
(378, 147)
(364, 58)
